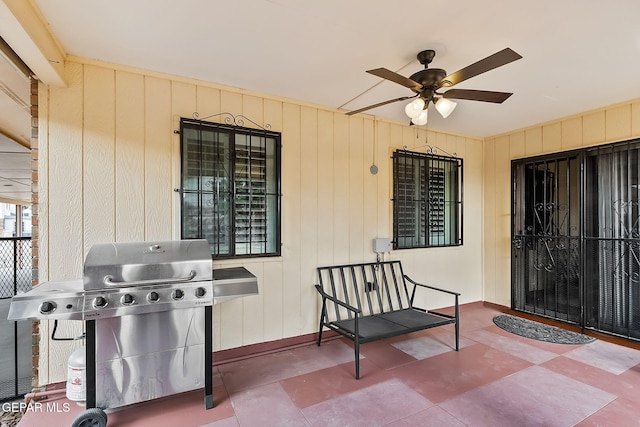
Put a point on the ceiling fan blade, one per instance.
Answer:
(487, 64)
(477, 95)
(396, 78)
(379, 104)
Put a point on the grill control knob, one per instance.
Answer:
(99, 302)
(127, 299)
(200, 292)
(47, 307)
(178, 294)
(153, 296)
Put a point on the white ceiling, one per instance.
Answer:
(578, 55)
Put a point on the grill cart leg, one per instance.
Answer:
(208, 357)
(90, 363)
(92, 417)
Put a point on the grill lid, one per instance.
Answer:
(114, 265)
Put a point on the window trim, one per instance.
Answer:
(234, 130)
(457, 228)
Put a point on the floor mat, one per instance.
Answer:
(539, 331)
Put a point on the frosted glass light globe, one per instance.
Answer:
(421, 119)
(414, 108)
(445, 107)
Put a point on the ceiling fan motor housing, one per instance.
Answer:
(429, 77)
(430, 80)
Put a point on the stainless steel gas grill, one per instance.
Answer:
(147, 308)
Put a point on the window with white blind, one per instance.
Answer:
(231, 188)
(427, 200)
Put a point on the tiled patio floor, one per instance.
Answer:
(496, 379)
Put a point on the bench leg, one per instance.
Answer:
(457, 313)
(357, 351)
(322, 313)
(356, 345)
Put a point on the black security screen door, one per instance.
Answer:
(576, 238)
(612, 240)
(546, 237)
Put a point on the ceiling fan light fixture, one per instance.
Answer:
(425, 83)
(421, 119)
(414, 108)
(445, 107)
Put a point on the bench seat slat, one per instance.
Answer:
(411, 318)
(370, 327)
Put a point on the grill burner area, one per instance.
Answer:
(67, 300)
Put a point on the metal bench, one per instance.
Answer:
(373, 301)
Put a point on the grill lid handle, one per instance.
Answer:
(108, 280)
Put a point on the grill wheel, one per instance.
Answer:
(94, 417)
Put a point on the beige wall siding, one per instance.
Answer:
(615, 123)
(129, 155)
(109, 161)
(158, 126)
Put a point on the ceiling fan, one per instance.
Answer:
(427, 83)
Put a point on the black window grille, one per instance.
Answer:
(427, 200)
(231, 188)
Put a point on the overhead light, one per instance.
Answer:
(414, 108)
(445, 107)
(421, 119)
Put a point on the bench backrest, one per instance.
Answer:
(375, 287)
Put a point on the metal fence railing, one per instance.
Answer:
(15, 278)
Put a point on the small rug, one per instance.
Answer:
(539, 331)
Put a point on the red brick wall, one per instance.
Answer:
(35, 333)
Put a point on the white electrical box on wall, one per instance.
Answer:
(381, 245)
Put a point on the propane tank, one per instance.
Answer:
(76, 376)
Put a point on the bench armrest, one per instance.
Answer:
(430, 287)
(337, 301)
